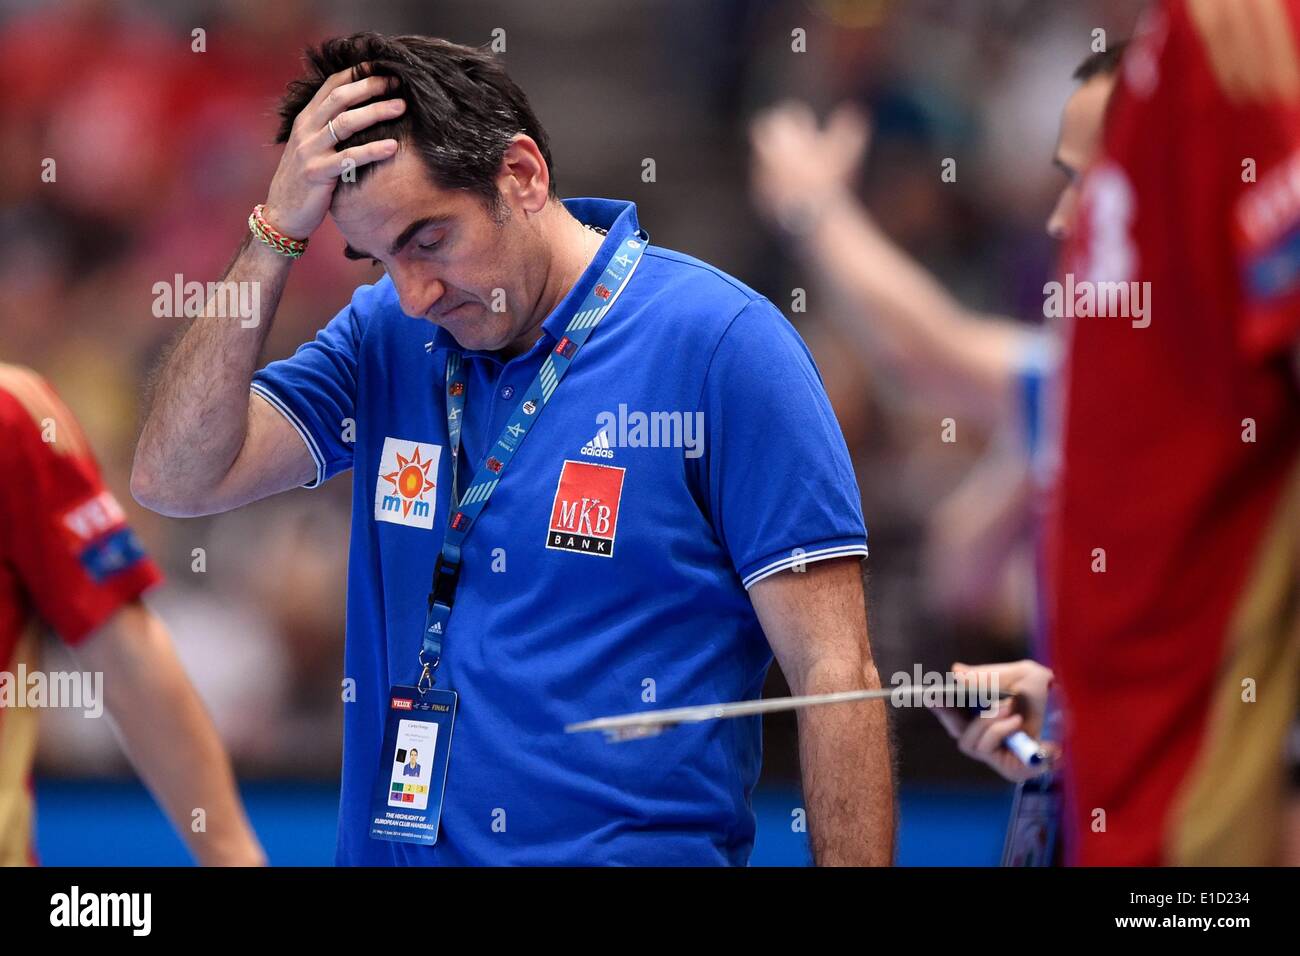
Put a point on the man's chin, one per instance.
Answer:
(466, 330)
(473, 340)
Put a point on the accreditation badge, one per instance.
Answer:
(407, 802)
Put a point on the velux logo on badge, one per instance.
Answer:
(598, 447)
(406, 489)
(584, 517)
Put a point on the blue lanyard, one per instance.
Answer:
(466, 509)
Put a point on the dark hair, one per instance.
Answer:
(1103, 63)
(462, 108)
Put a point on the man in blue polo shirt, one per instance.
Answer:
(616, 464)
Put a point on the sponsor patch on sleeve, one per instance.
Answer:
(100, 538)
(111, 555)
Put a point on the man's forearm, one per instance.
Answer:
(815, 619)
(847, 771)
(898, 313)
(170, 738)
(176, 751)
(200, 398)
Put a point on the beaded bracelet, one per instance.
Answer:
(264, 231)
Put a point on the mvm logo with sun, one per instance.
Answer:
(406, 489)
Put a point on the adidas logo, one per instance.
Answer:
(436, 628)
(598, 447)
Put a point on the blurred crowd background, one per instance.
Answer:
(162, 151)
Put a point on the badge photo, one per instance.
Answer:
(406, 489)
(584, 515)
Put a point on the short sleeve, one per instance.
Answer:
(64, 534)
(315, 389)
(781, 488)
(1036, 366)
(1260, 153)
(1266, 230)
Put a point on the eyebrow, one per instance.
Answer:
(401, 240)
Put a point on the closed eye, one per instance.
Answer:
(350, 253)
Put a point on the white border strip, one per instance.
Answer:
(839, 551)
(278, 404)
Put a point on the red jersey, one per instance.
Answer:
(68, 561)
(1173, 545)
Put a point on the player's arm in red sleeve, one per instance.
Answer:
(67, 535)
(1253, 51)
(84, 572)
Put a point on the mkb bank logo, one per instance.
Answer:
(406, 489)
(584, 515)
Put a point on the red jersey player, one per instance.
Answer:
(69, 561)
(1176, 632)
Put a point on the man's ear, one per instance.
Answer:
(524, 179)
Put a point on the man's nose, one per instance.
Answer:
(418, 295)
(1056, 225)
(1062, 217)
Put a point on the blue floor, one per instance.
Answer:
(116, 824)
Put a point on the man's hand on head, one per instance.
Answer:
(303, 186)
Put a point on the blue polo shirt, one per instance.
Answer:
(690, 452)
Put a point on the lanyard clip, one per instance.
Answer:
(446, 577)
(425, 683)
